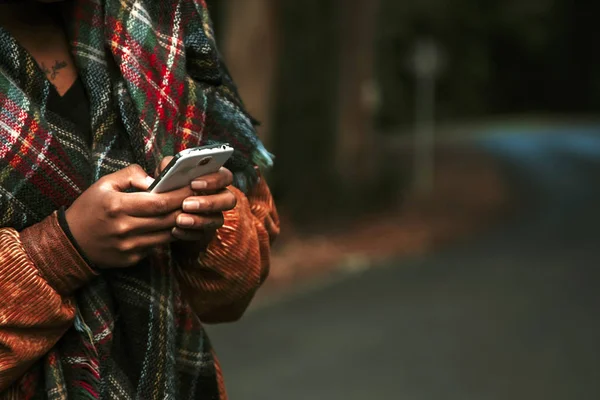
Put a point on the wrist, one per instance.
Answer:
(64, 225)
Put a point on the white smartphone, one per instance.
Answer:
(190, 164)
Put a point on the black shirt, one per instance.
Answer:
(74, 107)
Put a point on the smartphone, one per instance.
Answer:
(190, 164)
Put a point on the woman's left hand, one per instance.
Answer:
(202, 213)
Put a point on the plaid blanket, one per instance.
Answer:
(156, 85)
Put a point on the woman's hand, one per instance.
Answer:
(203, 211)
(116, 229)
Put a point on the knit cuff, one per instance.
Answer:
(55, 256)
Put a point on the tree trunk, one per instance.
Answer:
(355, 154)
(305, 110)
(250, 49)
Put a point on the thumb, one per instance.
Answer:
(132, 177)
(163, 164)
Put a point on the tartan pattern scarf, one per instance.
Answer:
(156, 85)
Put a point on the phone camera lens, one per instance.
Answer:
(204, 161)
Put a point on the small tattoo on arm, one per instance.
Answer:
(52, 72)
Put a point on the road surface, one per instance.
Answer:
(511, 315)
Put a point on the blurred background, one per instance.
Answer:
(437, 175)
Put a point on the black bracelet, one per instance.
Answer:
(64, 225)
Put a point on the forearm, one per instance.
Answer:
(39, 271)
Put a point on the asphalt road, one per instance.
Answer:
(510, 315)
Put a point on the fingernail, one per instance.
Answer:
(184, 220)
(149, 180)
(199, 185)
(191, 205)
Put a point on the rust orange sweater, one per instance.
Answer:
(40, 270)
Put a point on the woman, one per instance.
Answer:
(103, 286)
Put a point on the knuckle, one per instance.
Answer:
(209, 204)
(160, 205)
(113, 206)
(122, 228)
(102, 181)
(126, 246)
(133, 168)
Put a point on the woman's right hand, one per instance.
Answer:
(116, 229)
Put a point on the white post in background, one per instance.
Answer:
(426, 64)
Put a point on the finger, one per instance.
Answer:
(153, 204)
(190, 235)
(132, 226)
(219, 180)
(153, 239)
(225, 200)
(131, 177)
(163, 164)
(200, 222)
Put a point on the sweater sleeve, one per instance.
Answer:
(39, 271)
(221, 282)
